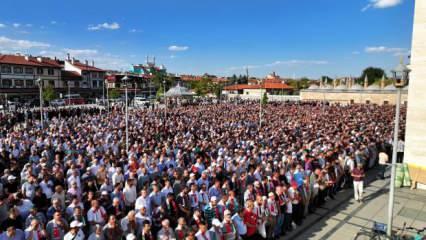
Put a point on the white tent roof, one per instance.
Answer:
(178, 91)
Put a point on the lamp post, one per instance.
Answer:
(260, 108)
(106, 83)
(40, 86)
(400, 75)
(165, 101)
(125, 78)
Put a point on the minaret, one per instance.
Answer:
(366, 81)
(382, 82)
(334, 83)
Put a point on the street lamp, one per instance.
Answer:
(40, 86)
(125, 79)
(165, 100)
(260, 108)
(400, 76)
(106, 83)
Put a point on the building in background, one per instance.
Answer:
(274, 86)
(346, 91)
(18, 75)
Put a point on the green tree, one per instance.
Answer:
(372, 73)
(49, 93)
(160, 92)
(264, 99)
(114, 93)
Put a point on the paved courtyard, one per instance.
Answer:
(343, 218)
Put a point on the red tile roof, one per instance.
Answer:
(86, 67)
(266, 85)
(32, 61)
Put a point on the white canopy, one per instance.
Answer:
(178, 91)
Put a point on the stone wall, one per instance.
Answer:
(346, 97)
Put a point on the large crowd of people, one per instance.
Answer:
(207, 172)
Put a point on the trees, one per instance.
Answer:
(114, 93)
(49, 93)
(373, 75)
(264, 99)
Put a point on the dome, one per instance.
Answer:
(373, 87)
(326, 86)
(341, 87)
(357, 87)
(313, 86)
(390, 87)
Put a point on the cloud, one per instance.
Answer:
(81, 52)
(108, 26)
(2, 25)
(292, 62)
(16, 25)
(175, 48)
(134, 30)
(381, 4)
(102, 60)
(53, 22)
(13, 44)
(297, 62)
(383, 49)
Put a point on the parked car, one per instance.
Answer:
(57, 103)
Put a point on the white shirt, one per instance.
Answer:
(200, 236)
(143, 202)
(69, 236)
(383, 158)
(96, 215)
(130, 195)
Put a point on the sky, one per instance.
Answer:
(294, 38)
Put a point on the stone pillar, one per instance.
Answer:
(415, 139)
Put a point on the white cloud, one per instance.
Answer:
(175, 48)
(134, 30)
(13, 44)
(109, 26)
(297, 62)
(2, 25)
(381, 4)
(77, 53)
(16, 25)
(292, 62)
(383, 49)
(53, 22)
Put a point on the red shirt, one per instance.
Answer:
(358, 171)
(250, 218)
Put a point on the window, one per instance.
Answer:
(50, 71)
(7, 83)
(101, 75)
(29, 70)
(29, 83)
(18, 70)
(39, 70)
(52, 83)
(6, 69)
(352, 101)
(385, 102)
(367, 102)
(94, 74)
(19, 83)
